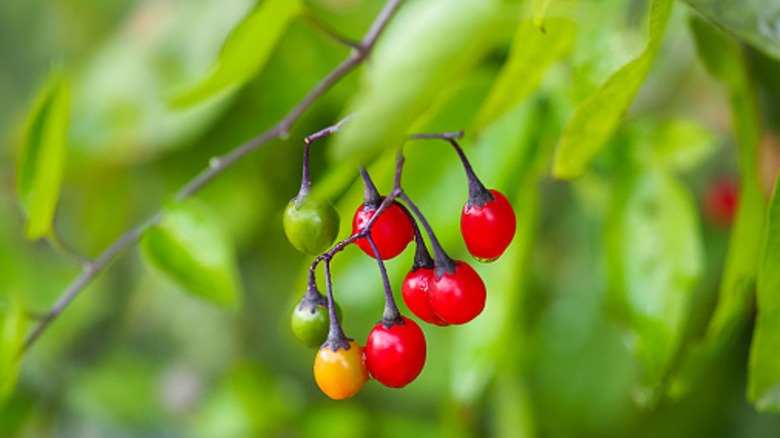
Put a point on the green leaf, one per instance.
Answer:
(737, 286)
(725, 61)
(716, 50)
(12, 330)
(655, 262)
(680, 143)
(764, 375)
(401, 83)
(42, 157)
(753, 21)
(596, 118)
(540, 11)
(683, 144)
(190, 247)
(531, 55)
(245, 52)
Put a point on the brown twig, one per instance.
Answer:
(216, 166)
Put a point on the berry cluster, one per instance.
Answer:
(438, 290)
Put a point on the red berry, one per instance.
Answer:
(720, 201)
(395, 356)
(415, 293)
(391, 233)
(458, 297)
(488, 229)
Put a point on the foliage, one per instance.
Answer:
(620, 309)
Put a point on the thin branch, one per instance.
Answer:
(327, 131)
(58, 243)
(330, 32)
(216, 166)
(88, 274)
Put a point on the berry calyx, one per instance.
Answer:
(340, 373)
(457, 294)
(488, 225)
(311, 225)
(395, 352)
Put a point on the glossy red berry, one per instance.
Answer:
(720, 201)
(488, 229)
(415, 293)
(391, 232)
(395, 356)
(458, 297)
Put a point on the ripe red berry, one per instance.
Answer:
(391, 232)
(488, 228)
(395, 356)
(720, 201)
(458, 297)
(415, 292)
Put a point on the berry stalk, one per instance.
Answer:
(336, 337)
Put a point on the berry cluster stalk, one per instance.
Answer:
(91, 268)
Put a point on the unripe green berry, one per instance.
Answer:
(311, 225)
(310, 323)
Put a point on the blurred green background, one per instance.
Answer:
(594, 313)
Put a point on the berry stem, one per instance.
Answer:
(422, 258)
(478, 193)
(336, 337)
(438, 136)
(308, 141)
(313, 296)
(391, 316)
(305, 177)
(442, 261)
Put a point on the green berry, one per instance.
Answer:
(311, 225)
(310, 322)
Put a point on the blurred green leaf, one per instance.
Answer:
(120, 115)
(190, 247)
(716, 51)
(683, 143)
(764, 374)
(42, 157)
(12, 323)
(531, 55)
(725, 61)
(596, 118)
(245, 52)
(737, 287)
(655, 262)
(401, 84)
(753, 21)
(540, 12)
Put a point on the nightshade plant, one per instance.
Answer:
(636, 142)
(453, 294)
